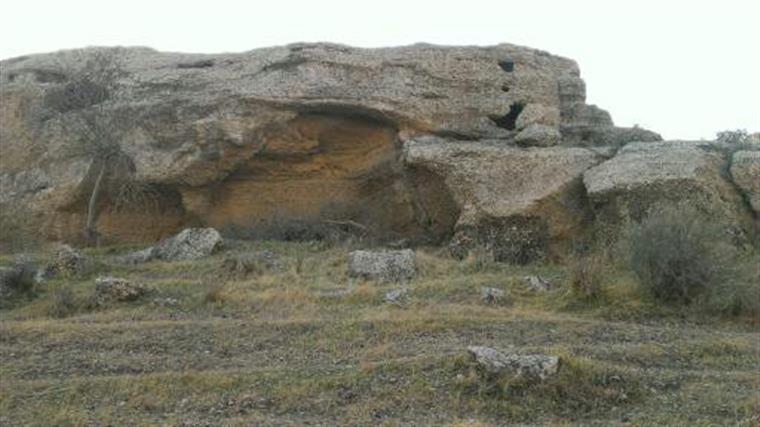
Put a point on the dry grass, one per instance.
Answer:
(306, 344)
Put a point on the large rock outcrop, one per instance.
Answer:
(305, 131)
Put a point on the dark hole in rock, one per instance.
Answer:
(507, 66)
(509, 120)
(203, 63)
(505, 88)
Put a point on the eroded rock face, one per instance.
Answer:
(644, 175)
(516, 201)
(305, 131)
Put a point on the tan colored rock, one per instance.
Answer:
(745, 171)
(305, 132)
(526, 198)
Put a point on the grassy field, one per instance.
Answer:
(306, 345)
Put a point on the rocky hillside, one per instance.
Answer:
(427, 143)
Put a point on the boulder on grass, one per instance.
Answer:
(67, 262)
(492, 295)
(189, 244)
(387, 266)
(532, 366)
(114, 289)
(537, 283)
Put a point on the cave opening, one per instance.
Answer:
(509, 120)
(507, 66)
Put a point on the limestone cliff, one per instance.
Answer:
(420, 141)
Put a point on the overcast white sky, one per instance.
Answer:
(684, 68)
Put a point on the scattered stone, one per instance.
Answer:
(389, 266)
(189, 244)
(397, 296)
(111, 289)
(537, 283)
(68, 262)
(492, 295)
(536, 366)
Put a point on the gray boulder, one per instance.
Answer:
(642, 176)
(189, 244)
(67, 262)
(537, 135)
(388, 266)
(114, 289)
(531, 366)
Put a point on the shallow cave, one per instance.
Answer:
(509, 121)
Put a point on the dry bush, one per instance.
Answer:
(678, 255)
(587, 275)
(61, 302)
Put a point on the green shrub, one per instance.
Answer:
(678, 255)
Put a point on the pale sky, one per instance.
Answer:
(684, 68)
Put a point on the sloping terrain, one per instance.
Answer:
(301, 343)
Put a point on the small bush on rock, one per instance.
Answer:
(678, 255)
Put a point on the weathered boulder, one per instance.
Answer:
(531, 366)
(67, 262)
(390, 266)
(189, 244)
(536, 135)
(114, 289)
(644, 175)
(283, 132)
(745, 171)
(515, 201)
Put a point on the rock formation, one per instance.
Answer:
(420, 142)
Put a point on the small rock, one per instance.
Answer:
(537, 283)
(492, 295)
(189, 244)
(68, 262)
(537, 135)
(397, 295)
(389, 266)
(538, 366)
(109, 289)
